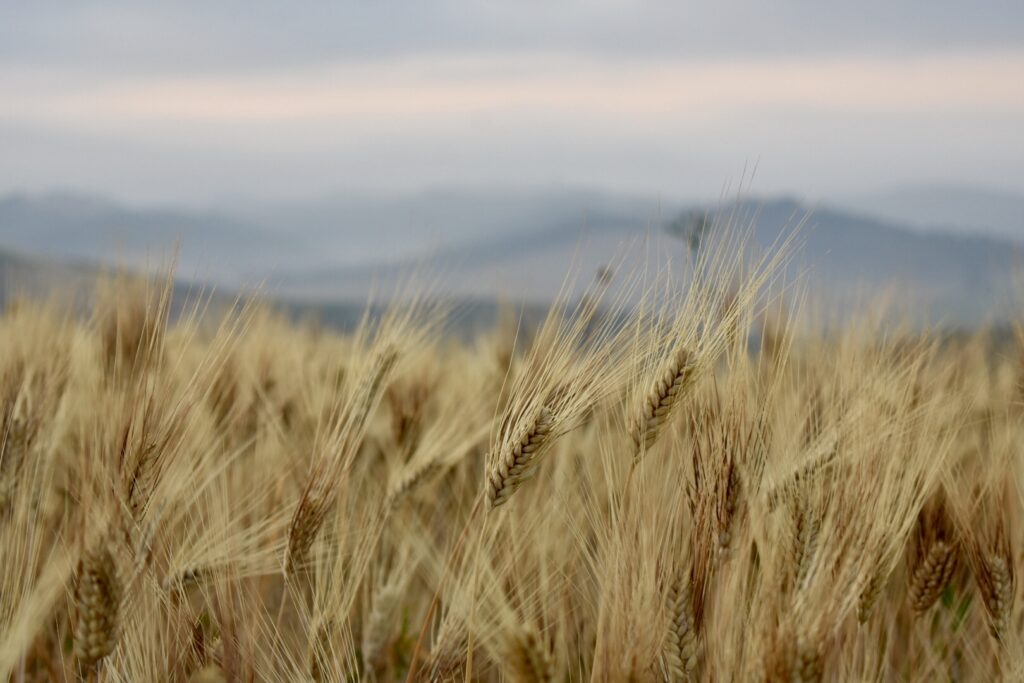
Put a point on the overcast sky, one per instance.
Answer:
(198, 102)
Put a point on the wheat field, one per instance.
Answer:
(680, 479)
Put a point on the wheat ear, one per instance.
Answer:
(516, 462)
(807, 528)
(809, 665)
(98, 600)
(15, 442)
(409, 480)
(935, 554)
(321, 664)
(672, 383)
(869, 596)
(931, 575)
(529, 660)
(309, 516)
(448, 653)
(681, 645)
(382, 618)
(996, 582)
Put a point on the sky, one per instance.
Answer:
(203, 103)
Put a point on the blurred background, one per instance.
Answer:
(322, 149)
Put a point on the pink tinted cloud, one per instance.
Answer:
(446, 89)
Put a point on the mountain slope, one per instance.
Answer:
(517, 245)
(959, 277)
(843, 256)
(69, 226)
(952, 209)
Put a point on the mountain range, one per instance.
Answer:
(518, 245)
(946, 208)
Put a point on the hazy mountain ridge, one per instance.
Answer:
(517, 245)
(81, 227)
(943, 208)
(564, 234)
(842, 255)
(353, 229)
(956, 276)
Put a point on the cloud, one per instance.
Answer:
(194, 36)
(596, 93)
(173, 99)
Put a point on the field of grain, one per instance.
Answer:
(668, 480)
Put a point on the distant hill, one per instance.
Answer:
(844, 256)
(355, 229)
(72, 285)
(958, 278)
(953, 209)
(527, 261)
(251, 242)
(32, 276)
(68, 226)
(481, 247)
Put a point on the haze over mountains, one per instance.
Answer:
(948, 208)
(952, 251)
